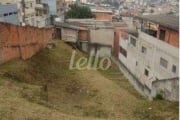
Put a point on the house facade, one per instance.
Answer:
(101, 40)
(29, 12)
(118, 31)
(89, 35)
(9, 14)
(26, 10)
(42, 14)
(102, 14)
(75, 35)
(151, 52)
(55, 6)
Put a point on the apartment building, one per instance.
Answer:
(83, 1)
(29, 12)
(19, 9)
(151, 52)
(42, 14)
(70, 2)
(55, 6)
(60, 7)
(102, 14)
(26, 10)
(9, 13)
(56, 9)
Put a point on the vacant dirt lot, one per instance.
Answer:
(43, 88)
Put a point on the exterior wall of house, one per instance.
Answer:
(70, 2)
(22, 42)
(117, 33)
(83, 35)
(42, 14)
(52, 6)
(9, 14)
(171, 36)
(60, 4)
(20, 15)
(168, 88)
(131, 57)
(165, 51)
(84, 46)
(55, 6)
(104, 51)
(104, 36)
(42, 21)
(69, 35)
(103, 16)
(129, 21)
(146, 66)
(30, 12)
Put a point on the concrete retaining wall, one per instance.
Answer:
(168, 88)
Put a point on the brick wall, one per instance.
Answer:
(22, 42)
(171, 36)
(118, 34)
(103, 16)
(83, 35)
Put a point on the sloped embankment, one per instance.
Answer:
(43, 88)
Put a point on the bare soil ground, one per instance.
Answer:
(43, 88)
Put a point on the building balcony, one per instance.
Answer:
(29, 12)
(39, 6)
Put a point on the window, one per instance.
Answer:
(133, 41)
(123, 51)
(162, 35)
(5, 14)
(15, 13)
(144, 50)
(136, 63)
(146, 72)
(163, 63)
(174, 69)
(38, 1)
(10, 13)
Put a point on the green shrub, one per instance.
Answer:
(159, 96)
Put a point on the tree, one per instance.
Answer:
(79, 12)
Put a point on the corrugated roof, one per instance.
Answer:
(169, 21)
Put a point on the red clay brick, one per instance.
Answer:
(22, 42)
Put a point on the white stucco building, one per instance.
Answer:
(151, 52)
(26, 10)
